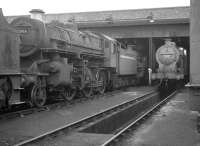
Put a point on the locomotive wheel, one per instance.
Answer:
(67, 93)
(87, 91)
(87, 88)
(102, 78)
(38, 96)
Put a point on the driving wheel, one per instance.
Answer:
(38, 96)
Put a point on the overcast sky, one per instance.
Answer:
(22, 7)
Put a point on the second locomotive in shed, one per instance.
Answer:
(172, 68)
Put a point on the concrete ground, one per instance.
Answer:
(176, 124)
(16, 130)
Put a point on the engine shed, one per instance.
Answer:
(143, 30)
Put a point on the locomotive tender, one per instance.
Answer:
(172, 67)
(42, 60)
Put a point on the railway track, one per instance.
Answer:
(133, 125)
(85, 121)
(31, 110)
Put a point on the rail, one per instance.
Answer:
(121, 133)
(31, 110)
(88, 119)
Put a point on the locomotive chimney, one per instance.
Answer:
(37, 14)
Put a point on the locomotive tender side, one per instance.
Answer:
(9, 64)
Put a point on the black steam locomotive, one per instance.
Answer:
(41, 61)
(172, 68)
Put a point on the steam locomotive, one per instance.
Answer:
(41, 61)
(172, 65)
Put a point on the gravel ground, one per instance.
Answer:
(16, 130)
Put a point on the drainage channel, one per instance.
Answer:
(133, 125)
(115, 121)
(95, 122)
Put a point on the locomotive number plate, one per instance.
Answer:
(23, 30)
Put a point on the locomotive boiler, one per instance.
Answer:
(47, 61)
(171, 64)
